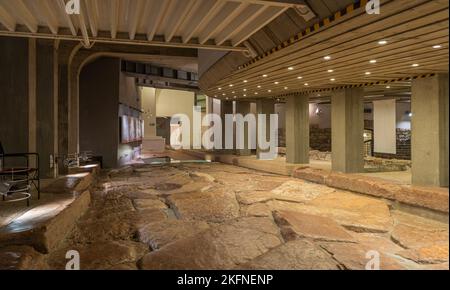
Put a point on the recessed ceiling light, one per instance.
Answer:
(220, 89)
(319, 95)
(233, 92)
(215, 96)
(227, 98)
(330, 70)
(224, 94)
(437, 46)
(245, 95)
(286, 88)
(276, 83)
(327, 57)
(415, 65)
(290, 68)
(373, 61)
(235, 97)
(256, 93)
(231, 86)
(264, 76)
(299, 78)
(368, 73)
(269, 91)
(306, 84)
(332, 80)
(245, 81)
(244, 90)
(259, 87)
(382, 42)
(388, 87)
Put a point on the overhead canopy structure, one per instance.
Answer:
(210, 24)
(351, 48)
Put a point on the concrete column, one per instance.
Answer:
(429, 144)
(266, 107)
(243, 108)
(32, 114)
(46, 83)
(297, 130)
(226, 108)
(347, 126)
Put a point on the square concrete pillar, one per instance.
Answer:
(267, 108)
(347, 130)
(226, 108)
(297, 130)
(243, 108)
(429, 144)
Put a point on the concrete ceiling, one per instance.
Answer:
(412, 30)
(210, 24)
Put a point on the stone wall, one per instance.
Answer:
(320, 138)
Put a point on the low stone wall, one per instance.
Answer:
(52, 220)
(433, 198)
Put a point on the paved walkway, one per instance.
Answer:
(216, 216)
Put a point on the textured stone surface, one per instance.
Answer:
(254, 197)
(214, 205)
(356, 257)
(157, 235)
(430, 254)
(214, 216)
(141, 204)
(21, 258)
(293, 255)
(300, 191)
(433, 198)
(314, 175)
(222, 247)
(362, 184)
(104, 255)
(295, 224)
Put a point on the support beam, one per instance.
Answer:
(429, 144)
(243, 108)
(84, 31)
(267, 108)
(6, 19)
(347, 126)
(297, 130)
(240, 23)
(226, 108)
(47, 11)
(265, 18)
(32, 104)
(172, 29)
(222, 20)
(115, 11)
(62, 8)
(204, 15)
(92, 12)
(26, 16)
(160, 10)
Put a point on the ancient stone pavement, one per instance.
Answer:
(215, 216)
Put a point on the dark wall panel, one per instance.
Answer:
(14, 94)
(99, 105)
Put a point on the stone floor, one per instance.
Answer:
(216, 216)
